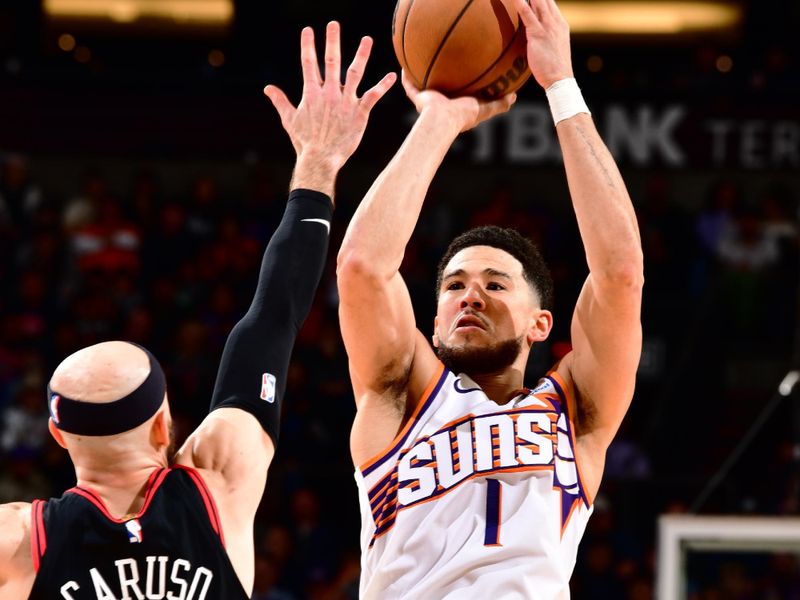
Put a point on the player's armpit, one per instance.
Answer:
(607, 342)
(233, 452)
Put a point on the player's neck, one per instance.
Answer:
(500, 386)
(122, 488)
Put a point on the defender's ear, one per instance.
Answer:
(54, 431)
(159, 434)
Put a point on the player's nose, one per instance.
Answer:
(472, 298)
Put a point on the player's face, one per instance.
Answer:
(485, 303)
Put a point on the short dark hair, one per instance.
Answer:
(534, 269)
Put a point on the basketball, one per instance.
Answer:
(461, 47)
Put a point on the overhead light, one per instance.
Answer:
(189, 13)
(634, 17)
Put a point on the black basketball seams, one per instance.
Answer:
(443, 42)
(520, 29)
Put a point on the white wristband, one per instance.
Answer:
(566, 100)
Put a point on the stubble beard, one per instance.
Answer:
(480, 360)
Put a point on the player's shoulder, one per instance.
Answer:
(15, 523)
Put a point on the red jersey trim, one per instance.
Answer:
(38, 536)
(153, 483)
(208, 500)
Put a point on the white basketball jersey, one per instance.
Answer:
(474, 499)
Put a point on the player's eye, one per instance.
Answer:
(455, 285)
(493, 285)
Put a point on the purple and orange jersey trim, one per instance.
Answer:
(383, 496)
(569, 502)
(424, 403)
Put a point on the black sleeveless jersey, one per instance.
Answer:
(172, 549)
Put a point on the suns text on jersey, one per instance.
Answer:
(514, 440)
(158, 579)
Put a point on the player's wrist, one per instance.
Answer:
(315, 171)
(565, 99)
(444, 119)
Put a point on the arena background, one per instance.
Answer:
(143, 172)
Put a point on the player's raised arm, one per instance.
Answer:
(375, 312)
(606, 328)
(236, 442)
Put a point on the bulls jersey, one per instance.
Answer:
(475, 499)
(172, 549)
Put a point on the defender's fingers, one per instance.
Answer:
(333, 57)
(376, 92)
(308, 58)
(355, 72)
(280, 102)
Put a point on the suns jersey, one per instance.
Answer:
(474, 499)
(173, 548)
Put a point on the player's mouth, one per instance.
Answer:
(470, 322)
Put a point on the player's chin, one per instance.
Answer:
(471, 337)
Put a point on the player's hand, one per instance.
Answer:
(465, 112)
(329, 122)
(547, 32)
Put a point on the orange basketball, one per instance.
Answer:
(461, 47)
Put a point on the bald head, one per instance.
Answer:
(101, 373)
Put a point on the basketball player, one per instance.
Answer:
(472, 486)
(135, 527)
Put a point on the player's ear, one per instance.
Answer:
(435, 336)
(56, 433)
(159, 433)
(539, 327)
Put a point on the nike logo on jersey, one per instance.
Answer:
(320, 221)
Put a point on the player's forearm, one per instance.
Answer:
(260, 345)
(605, 215)
(385, 219)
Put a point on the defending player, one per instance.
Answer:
(134, 527)
(470, 485)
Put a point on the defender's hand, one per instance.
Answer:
(465, 112)
(547, 32)
(328, 124)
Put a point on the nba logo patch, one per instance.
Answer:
(268, 387)
(54, 400)
(134, 531)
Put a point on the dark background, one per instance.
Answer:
(140, 184)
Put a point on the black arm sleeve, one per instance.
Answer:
(255, 361)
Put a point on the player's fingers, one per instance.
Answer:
(411, 89)
(308, 58)
(377, 91)
(280, 102)
(526, 12)
(355, 72)
(333, 58)
(496, 107)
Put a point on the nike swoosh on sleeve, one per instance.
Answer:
(320, 221)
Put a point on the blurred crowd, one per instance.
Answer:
(174, 272)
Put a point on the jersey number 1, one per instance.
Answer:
(494, 498)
